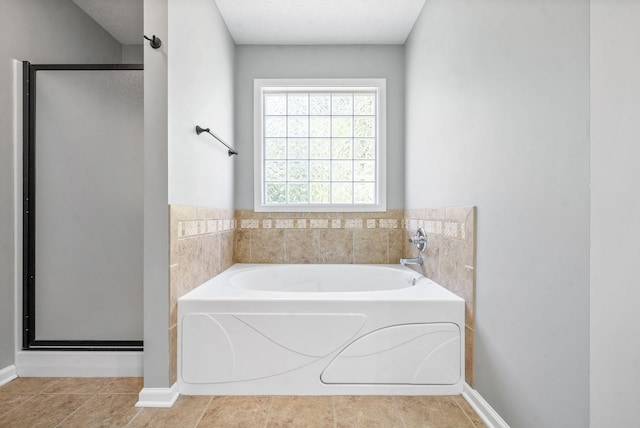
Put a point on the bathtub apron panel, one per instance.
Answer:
(412, 354)
(320, 330)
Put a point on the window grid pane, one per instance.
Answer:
(327, 140)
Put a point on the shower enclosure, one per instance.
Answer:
(83, 207)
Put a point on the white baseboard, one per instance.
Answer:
(79, 364)
(158, 397)
(8, 374)
(482, 408)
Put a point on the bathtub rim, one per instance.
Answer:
(218, 288)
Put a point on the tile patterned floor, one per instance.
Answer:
(109, 402)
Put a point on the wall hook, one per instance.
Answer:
(155, 42)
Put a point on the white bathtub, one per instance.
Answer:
(320, 329)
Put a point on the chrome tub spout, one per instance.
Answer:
(417, 261)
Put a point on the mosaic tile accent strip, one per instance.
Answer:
(353, 223)
(319, 223)
(449, 229)
(388, 223)
(191, 228)
(346, 222)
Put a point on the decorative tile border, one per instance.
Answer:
(190, 228)
(362, 222)
(450, 229)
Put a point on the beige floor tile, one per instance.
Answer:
(366, 411)
(241, 411)
(11, 401)
(432, 412)
(28, 385)
(104, 410)
(43, 410)
(468, 410)
(105, 402)
(289, 411)
(124, 385)
(185, 413)
(78, 385)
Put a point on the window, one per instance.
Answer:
(320, 145)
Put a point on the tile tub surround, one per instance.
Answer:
(319, 237)
(206, 241)
(201, 245)
(110, 402)
(450, 258)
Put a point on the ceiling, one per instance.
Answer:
(280, 22)
(123, 19)
(284, 22)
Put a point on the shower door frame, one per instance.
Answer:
(29, 341)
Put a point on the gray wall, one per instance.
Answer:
(132, 54)
(615, 203)
(497, 116)
(188, 81)
(156, 210)
(320, 62)
(40, 31)
(201, 73)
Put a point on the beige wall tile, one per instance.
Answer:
(189, 254)
(239, 214)
(434, 214)
(183, 212)
(468, 355)
(243, 246)
(396, 245)
(227, 250)
(394, 214)
(301, 246)
(210, 262)
(370, 246)
(173, 241)
(414, 213)
(432, 258)
(267, 246)
(174, 294)
(173, 354)
(335, 246)
(448, 265)
(458, 214)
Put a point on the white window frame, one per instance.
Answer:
(260, 85)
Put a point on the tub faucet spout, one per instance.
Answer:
(417, 261)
